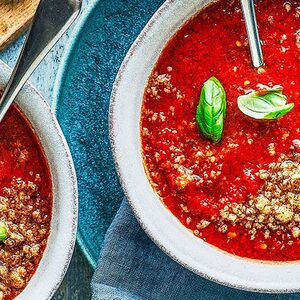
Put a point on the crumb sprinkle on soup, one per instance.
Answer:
(241, 194)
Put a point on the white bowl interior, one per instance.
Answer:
(58, 252)
(168, 233)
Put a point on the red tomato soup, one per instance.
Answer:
(25, 203)
(243, 193)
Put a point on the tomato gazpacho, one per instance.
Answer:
(25, 203)
(221, 139)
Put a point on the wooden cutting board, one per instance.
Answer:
(15, 17)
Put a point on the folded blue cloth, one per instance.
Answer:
(132, 267)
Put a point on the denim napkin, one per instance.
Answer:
(131, 266)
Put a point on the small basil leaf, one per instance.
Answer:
(3, 233)
(265, 104)
(281, 111)
(211, 109)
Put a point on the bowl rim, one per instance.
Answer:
(72, 199)
(116, 149)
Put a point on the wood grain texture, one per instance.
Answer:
(76, 285)
(15, 17)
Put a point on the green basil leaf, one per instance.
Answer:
(211, 109)
(265, 104)
(3, 233)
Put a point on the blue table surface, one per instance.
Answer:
(76, 283)
(96, 50)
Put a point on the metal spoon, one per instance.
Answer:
(51, 20)
(252, 31)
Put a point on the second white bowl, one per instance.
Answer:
(165, 230)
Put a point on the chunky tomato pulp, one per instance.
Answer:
(235, 194)
(21, 155)
(25, 203)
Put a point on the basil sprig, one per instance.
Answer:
(267, 103)
(211, 109)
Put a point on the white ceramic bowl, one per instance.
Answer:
(164, 229)
(59, 250)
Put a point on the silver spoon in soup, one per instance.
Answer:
(252, 32)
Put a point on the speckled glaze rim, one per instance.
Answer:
(56, 258)
(59, 82)
(119, 154)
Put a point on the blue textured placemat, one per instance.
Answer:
(82, 98)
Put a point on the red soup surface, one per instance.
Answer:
(241, 194)
(25, 203)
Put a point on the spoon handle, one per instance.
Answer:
(51, 20)
(252, 31)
